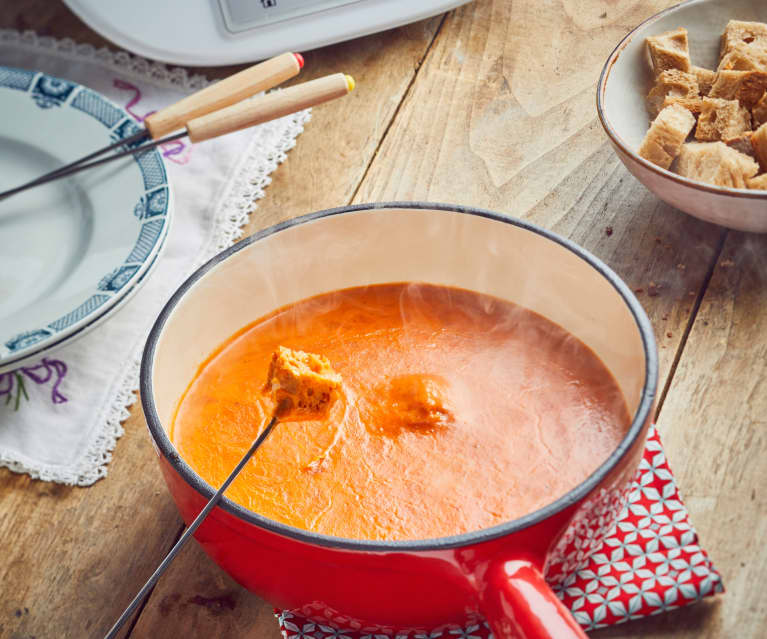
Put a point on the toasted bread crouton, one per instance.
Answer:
(746, 86)
(669, 86)
(669, 50)
(418, 401)
(742, 144)
(715, 163)
(759, 142)
(666, 135)
(745, 57)
(302, 385)
(759, 112)
(738, 32)
(693, 105)
(758, 182)
(722, 119)
(705, 78)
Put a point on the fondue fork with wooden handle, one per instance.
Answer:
(302, 386)
(228, 120)
(260, 77)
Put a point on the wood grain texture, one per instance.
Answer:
(195, 598)
(71, 556)
(318, 174)
(505, 107)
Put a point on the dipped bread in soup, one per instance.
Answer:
(302, 386)
(456, 411)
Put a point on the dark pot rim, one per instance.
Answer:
(575, 495)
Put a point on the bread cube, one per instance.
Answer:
(666, 135)
(746, 86)
(715, 163)
(669, 50)
(693, 105)
(745, 57)
(705, 78)
(742, 144)
(419, 401)
(759, 142)
(302, 385)
(759, 182)
(759, 112)
(669, 86)
(738, 32)
(722, 119)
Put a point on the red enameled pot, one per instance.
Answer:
(505, 573)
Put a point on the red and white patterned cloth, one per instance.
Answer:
(648, 564)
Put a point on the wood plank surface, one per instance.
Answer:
(197, 599)
(328, 163)
(70, 555)
(490, 106)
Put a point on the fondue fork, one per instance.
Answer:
(227, 120)
(191, 529)
(260, 77)
(302, 385)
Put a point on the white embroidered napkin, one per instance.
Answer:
(60, 417)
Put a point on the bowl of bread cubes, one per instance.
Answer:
(683, 99)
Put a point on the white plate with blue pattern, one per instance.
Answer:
(72, 249)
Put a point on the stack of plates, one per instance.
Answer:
(71, 251)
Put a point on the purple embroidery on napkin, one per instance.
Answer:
(175, 151)
(127, 86)
(44, 371)
(12, 384)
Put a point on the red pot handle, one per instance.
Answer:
(519, 604)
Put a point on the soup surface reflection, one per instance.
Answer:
(459, 411)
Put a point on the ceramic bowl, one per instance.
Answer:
(504, 573)
(624, 83)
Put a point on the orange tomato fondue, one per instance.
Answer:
(459, 411)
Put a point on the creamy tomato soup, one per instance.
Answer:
(459, 411)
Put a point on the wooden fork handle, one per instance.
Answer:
(269, 107)
(231, 90)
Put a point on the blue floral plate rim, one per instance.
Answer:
(152, 208)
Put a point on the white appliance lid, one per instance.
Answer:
(218, 32)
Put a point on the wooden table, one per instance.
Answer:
(490, 105)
